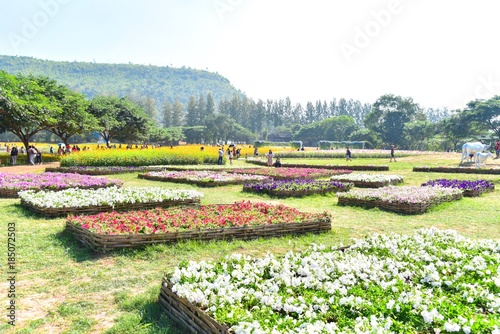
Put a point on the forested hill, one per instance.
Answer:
(138, 81)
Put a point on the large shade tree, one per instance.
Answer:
(389, 115)
(120, 119)
(485, 114)
(74, 118)
(25, 106)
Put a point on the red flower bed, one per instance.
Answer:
(170, 220)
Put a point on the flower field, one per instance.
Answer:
(356, 153)
(298, 187)
(146, 157)
(428, 282)
(369, 180)
(285, 173)
(11, 184)
(203, 178)
(470, 188)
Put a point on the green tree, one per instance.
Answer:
(192, 117)
(25, 108)
(418, 133)
(456, 128)
(210, 108)
(389, 115)
(120, 119)
(168, 114)
(485, 114)
(74, 118)
(338, 128)
(370, 137)
(178, 114)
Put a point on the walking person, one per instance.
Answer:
(221, 156)
(270, 157)
(497, 149)
(392, 153)
(31, 155)
(38, 156)
(348, 154)
(230, 156)
(13, 155)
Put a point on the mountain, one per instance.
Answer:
(139, 81)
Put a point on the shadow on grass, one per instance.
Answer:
(143, 314)
(75, 249)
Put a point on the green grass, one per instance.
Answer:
(62, 287)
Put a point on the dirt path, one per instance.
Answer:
(28, 168)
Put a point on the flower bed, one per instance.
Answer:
(85, 201)
(242, 220)
(103, 170)
(285, 173)
(203, 178)
(457, 170)
(11, 184)
(408, 200)
(348, 167)
(293, 188)
(369, 180)
(428, 282)
(469, 188)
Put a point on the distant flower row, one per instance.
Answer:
(182, 219)
(52, 181)
(369, 178)
(206, 176)
(302, 186)
(430, 282)
(291, 173)
(77, 198)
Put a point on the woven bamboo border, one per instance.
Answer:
(14, 193)
(456, 170)
(105, 243)
(414, 208)
(291, 193)
(90, 210)
(478, 192)
(189, 315)
(101, 172)
(348, 167)
(198, 183)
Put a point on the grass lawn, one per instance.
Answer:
(62, 287)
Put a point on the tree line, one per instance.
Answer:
(30, 105)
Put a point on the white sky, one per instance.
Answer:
(440, 53)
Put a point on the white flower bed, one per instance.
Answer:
(402, 195)
(76, 198)
(433, 281)
(369, 177)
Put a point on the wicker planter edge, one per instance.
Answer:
(103, 243)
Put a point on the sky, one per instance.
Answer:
(440, 53)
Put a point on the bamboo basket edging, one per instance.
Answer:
(189, 315)
(407, 208)
(101, 243)
(89, 210)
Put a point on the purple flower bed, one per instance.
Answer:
(470, 188)
(298, 187)
(11, 183)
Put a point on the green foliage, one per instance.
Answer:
(486, 114)
(120, 119)
(389, 115)
(159, 83)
